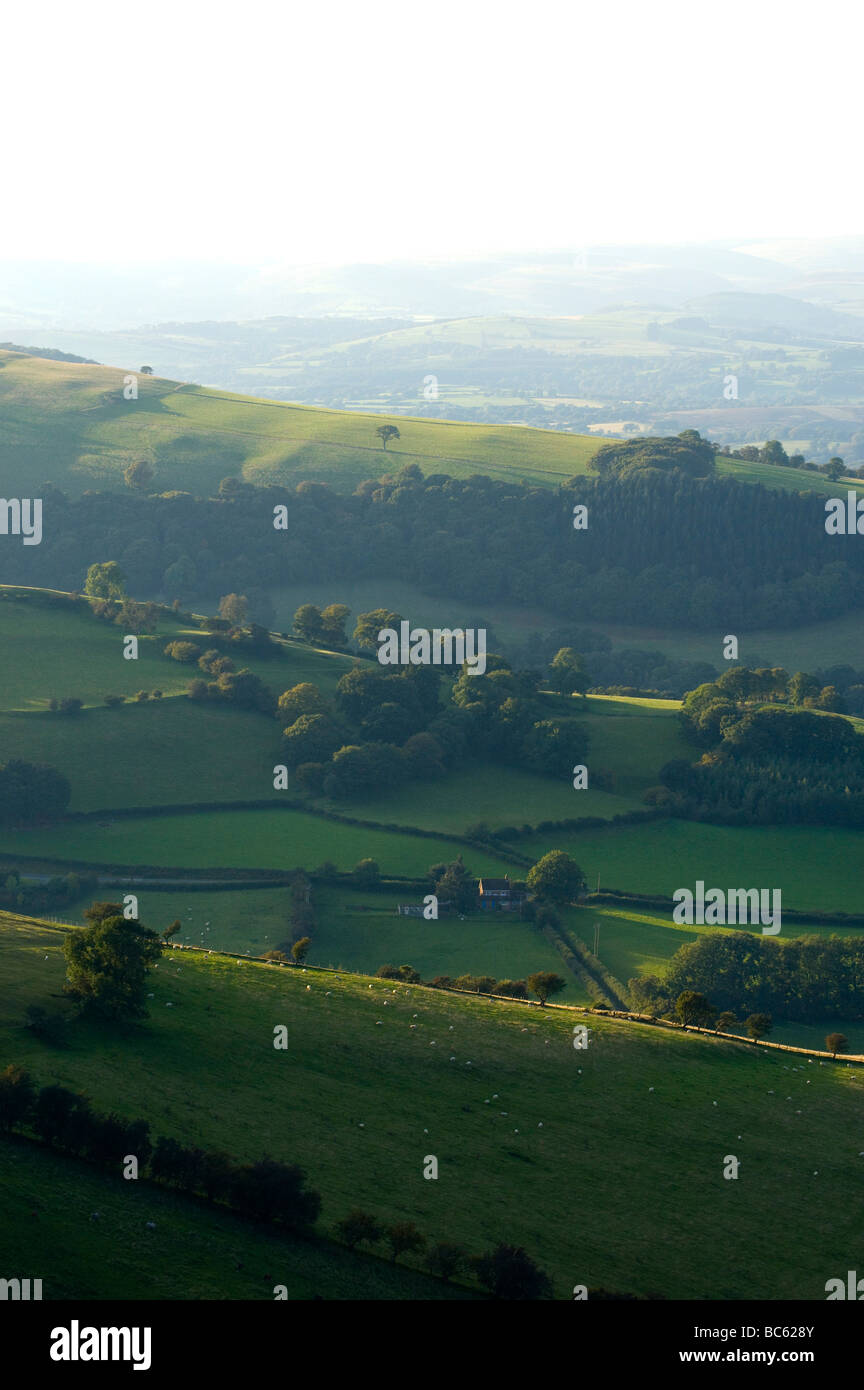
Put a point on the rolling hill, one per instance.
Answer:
(69, 424)
(605, 1163)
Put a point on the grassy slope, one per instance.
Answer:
(621, 1187)
(46, 1202)
(57, 652)
(68, 423)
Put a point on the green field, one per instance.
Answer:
(636, 941)
(60, 652)
(355, 930)
(242, 840)
(69, 424)
(486, 792)
(838, 641)
(170, 751)
(604, 1181)
(818, 868)
(46, 1206)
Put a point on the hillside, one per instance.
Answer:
(68, 424)
(604, 1180)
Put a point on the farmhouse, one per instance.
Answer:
(496, 895)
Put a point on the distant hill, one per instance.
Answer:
(52, 354)
(69, 424)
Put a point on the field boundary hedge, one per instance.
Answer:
(595, 990)
(272, 804)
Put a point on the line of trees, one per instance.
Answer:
(804, 979)
(263, 1191)
(506, 1271)
(65, 1121)
(663, 547)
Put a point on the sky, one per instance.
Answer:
(324, 133)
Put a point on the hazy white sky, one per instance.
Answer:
(371, 130)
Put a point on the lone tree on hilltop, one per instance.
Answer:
(145, 371)
(557, 877)
(386, 433)
(836, 1042)
(545, 983)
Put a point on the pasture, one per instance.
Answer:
(816, 867)
(62, 652)
(356, 930)
(259, 839)
(360, 1096)
(194, 1252)
(70, 424)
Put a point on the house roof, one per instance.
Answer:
(488, 885)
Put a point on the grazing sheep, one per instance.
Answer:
(650, 1088)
